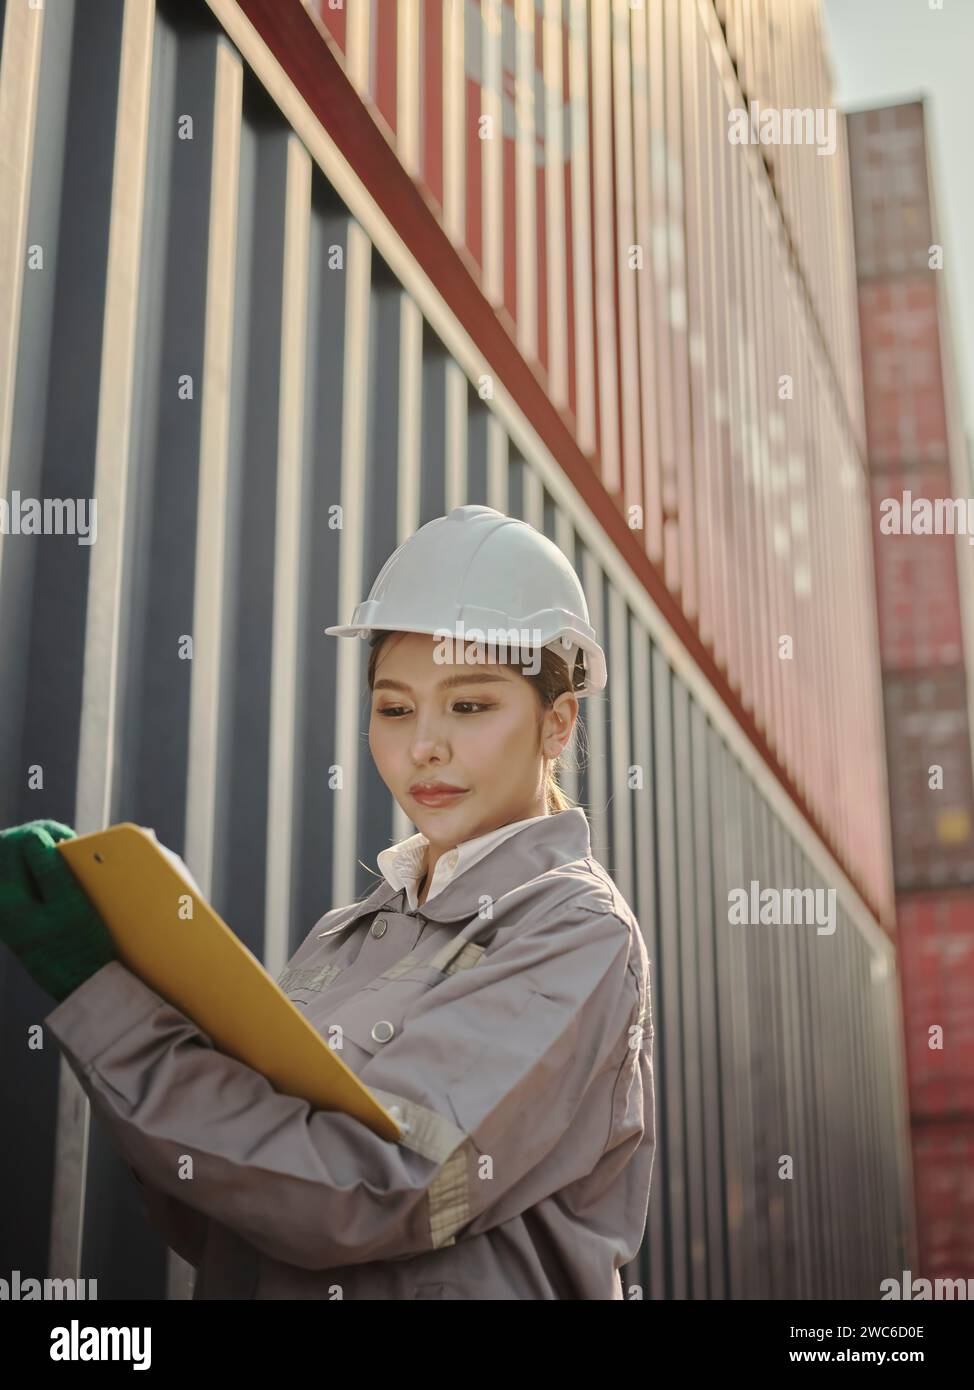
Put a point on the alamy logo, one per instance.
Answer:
(789, 125)
(50, 516)
(16, 1288)
(77, 1343)
(782, 906)
(926, 516)
(489, 645)
(918, 1290)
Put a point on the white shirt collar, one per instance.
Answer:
(404, 864)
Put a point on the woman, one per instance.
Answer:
(492, 991)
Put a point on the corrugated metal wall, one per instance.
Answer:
(225, 345)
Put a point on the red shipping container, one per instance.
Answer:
(906, 422)
(890, 194)
(943, 1177)
(933, 829)
(936, 944)
(916, 577)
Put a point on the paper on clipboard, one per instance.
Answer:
(178, 864)
(164, 930)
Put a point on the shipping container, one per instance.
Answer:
(917, 454)
(369, 345)
(936, 941)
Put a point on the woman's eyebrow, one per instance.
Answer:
(445, 684)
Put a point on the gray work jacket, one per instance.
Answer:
(506, 1022)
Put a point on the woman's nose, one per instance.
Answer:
(427, 737)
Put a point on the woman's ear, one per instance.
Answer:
(559, 721)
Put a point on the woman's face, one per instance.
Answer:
(473, 726)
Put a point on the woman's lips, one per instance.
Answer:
(437, 798)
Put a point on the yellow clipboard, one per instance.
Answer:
(207, 972)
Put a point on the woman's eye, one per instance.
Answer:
(462, 706)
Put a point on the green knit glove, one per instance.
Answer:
(45, 917)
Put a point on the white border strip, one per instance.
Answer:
(203, 775)
(357, 326)
(286, 628)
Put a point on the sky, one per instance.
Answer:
(884, 51)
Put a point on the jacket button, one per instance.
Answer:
(379, 927)
(382, 1031)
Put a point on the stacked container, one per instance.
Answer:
(917, 455)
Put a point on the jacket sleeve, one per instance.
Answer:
(183, 1227)
(486, 1073)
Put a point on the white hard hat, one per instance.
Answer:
(476, 571)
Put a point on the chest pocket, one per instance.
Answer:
(374, 1016)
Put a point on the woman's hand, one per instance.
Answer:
(45, 917)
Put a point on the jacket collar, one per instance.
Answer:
(407, 860)
(547, 844)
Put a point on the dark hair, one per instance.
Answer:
(550, 681)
